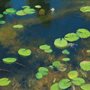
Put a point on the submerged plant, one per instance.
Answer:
(71, 37)
(24, 52)
(18, 26)
(60, 43)
(4, 81)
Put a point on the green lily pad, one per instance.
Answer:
(85, 65)
(20, 13)
(85, 87)
(71, 37)
(26, 7)
(83, 33)
(10, 11)
(73, 74)
(24, 52)
(18, 26)
(78, 81)
(4, 81)
(85, 9)
(65, 51)
(66, 59)
(56, 64)
(39, 75)
(60, 43)
(44, 71)
(1, 15)
(48, 51)
(88, 51)
(65, 83)
(29, 10)
(38, 6)
(2, 22)
(45, 47)
(9, 60)
(55, 86)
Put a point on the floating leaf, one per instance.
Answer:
(83, 33)
(1, 15)
(56, 64)
(24, 52)
(38, 6)
(65, 83)
(65, 51)
(18, 26)
(60, 43)
(48, 50)
(4, 81)
(44, 71)
(55, 86)
(44, 47)
(85, 87)
(85, 65)
(20, 13)
(72, 74)
(66, 59)
(25, 6)
(39, 75)
(2, 22)
(9, 60)
(78, 81)
(85, 9)
(29, 10)
(71, 37)
(10, 11)
(88, 51)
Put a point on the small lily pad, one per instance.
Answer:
(38, 6)
(1, 15)
(71, 37)
(83, 33)
(10, 11)
(24, 52)
(39, 75)
(85, 87)
(4, 81)
(29, 10)
(20, 13)
(78, 81)
(60, 43)
(45, 47)
(65, 83)
(9, 60)
(66, 59)
(18, 26)
(48, 51)
(2, 22)
(73, 74)
(55, 86)
(85, 9)
(56, 64)
(85, 65)
(88, 51)
(66, 52)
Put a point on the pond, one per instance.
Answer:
(44, 45)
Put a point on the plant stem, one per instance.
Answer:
(20, 64)
(4, 70)
(73, 87)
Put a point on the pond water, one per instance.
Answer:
(36, 54)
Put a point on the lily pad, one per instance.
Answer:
(85, 65)
(88, 51)
(55, 86)
(20, 13)
(85, 9)
(83, 33)
(2, 22)
(9, 60)
(73, 74)
(56, 64)
(39, 75)
(4, 81)
(38, 6)
(48, 51)
(18, 26)
(45, 47)
(65, 51)
(78, 81)
(24, 52)
(71, 37)
(29, 10)
(10, 11)
(66, 59)
(85, 87)
(65, 83)
(1, 15)
(44, 71)
(60, 43)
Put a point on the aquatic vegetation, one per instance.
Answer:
(66, 83)
(85, 65)
(55, 86)
(9, 11)
(42, 12)
(18, 26)
(88, 51)
(66, 59)
(38, 6)
(42, 71)
(46, 48)
(1, 15)
(60, 43)
(9, 60)
(85, 9)
(83, 33)
(71, 37)
(2, 22)
(73, 74)
(56, 64)
(65, 51)
(4, 81)
(24, 52)
(85, 87)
